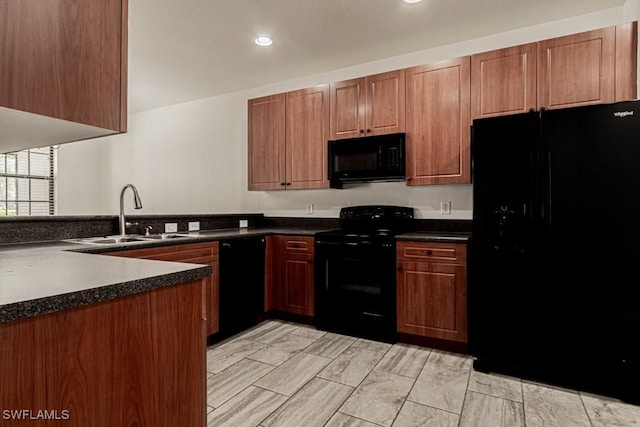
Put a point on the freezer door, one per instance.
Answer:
(593, 211)
(506, 215)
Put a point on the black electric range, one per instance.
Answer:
(355, 272)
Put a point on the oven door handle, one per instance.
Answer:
(366, 313)
(325, 243)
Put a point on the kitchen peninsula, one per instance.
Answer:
(100, 341)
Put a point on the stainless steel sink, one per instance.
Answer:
(109, 240)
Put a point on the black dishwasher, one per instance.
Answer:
(241, 284)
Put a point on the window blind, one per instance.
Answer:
(27, 184)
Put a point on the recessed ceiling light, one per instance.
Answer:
(412, 1)
(263, 41)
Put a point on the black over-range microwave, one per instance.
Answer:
(366, 159)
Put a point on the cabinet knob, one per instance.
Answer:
(287, 183)
(429, 252)
(368, 130)
(399, 268)
(283, 183)
(361, 130)
(295, 245)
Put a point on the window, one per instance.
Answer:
(27, 182)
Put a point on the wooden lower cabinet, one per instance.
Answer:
(195, 253)
(432, 290)
(138, 360)
(292, 275)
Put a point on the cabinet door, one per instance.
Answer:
(296, 283)
(577, 70)
(626, 61)
(348, 100)
(266, 136)
(385, 103)
(307, 132)
(66, 59)
(503, 81)
(196, 253)
(438, 123)
(432, 300)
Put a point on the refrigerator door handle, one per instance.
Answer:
(547, 196)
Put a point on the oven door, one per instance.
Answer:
(355, 289)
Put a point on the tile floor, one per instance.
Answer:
(285, 374)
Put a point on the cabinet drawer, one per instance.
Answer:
(193, 252)
(296, 244)
(450, 253)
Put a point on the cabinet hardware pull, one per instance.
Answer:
(287, 183)
(283, 183)
(361, 130)
(368, 130)
(429, 252)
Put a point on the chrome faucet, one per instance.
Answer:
(136, 201)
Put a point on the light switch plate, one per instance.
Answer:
(244, 223)
(194, 226)
(171, 227)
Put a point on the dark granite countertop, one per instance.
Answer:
(43, 277)
(44, 280)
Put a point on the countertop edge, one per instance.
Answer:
(50, 304)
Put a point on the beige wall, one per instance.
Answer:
(191, 157)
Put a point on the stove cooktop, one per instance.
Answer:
(369, 224)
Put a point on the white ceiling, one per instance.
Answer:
(191, 49)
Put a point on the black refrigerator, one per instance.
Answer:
(554, 289)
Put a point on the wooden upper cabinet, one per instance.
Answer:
(438, 123)
(288, 136)
(307, 132)
(577, 70)
(66, 59)
(587, 68)
(503, 81)
(626, 61)
(371, 105)
(385, 108)
(266, 135)
(347, 108)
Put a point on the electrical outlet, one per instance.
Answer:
(309, 208)
(194, 226)
(171, 227)
(445, 207)
(244, 223)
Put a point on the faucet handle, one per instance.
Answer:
(146, 230)
(130, 224)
